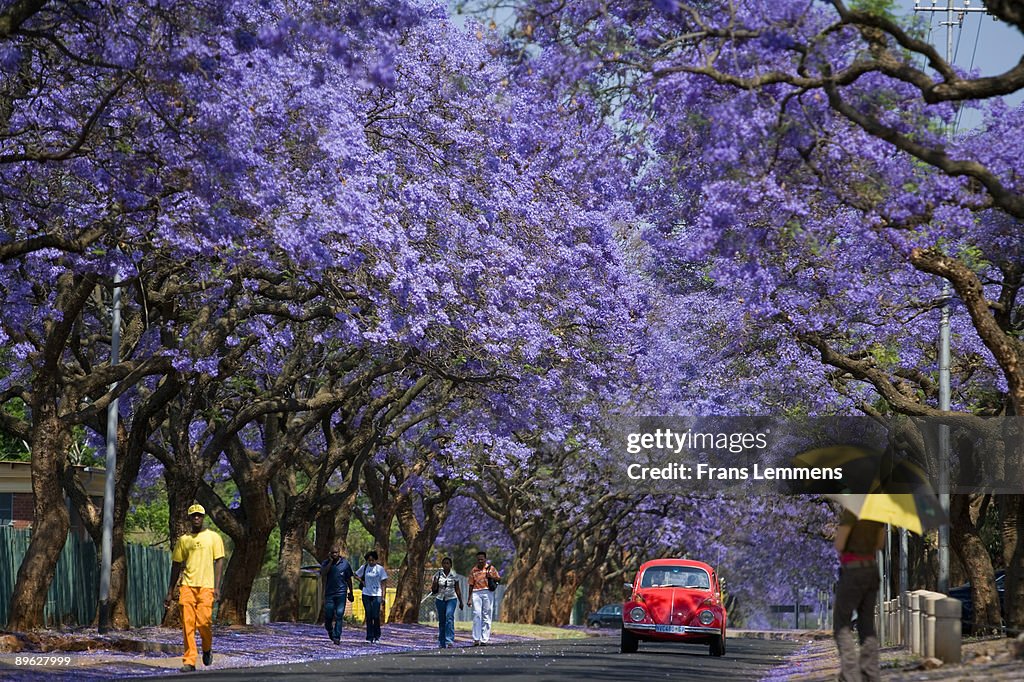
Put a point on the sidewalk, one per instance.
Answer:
(988, 660)
(84, 654)
(62, 656)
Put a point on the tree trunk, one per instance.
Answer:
(974, 556)
(242, 570)
(332, 527)
(523, 595)
(419, 540)
(50, 441)
(181, 493)
(1009, 520)
(91, 514)
(564, 597)
(285, 605)
(1014, 595)
(249, 530)
(118, 579)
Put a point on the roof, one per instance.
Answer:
(677, 562)
(16, 477)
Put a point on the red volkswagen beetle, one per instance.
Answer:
(675, 600)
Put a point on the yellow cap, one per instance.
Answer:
(196, 509)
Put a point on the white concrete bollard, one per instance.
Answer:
(947, 630)
(928, 635)
(905, 618)
(915, 621)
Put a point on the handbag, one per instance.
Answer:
(435, 586)
(492, 582)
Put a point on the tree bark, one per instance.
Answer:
(419, 539)
(524, 582)
(50, 441)
(974, 556)
(1014, 595)
(242, 570)
(285, 605)
(181, 493)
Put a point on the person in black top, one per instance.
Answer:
(336, 573)
(857, 590)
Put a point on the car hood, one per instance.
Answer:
(674, 605)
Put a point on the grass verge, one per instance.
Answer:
(531, 631)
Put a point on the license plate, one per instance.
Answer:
(672, 629)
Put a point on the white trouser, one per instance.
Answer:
(483, 602)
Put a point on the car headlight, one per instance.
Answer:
(706, 617)
(637, 614)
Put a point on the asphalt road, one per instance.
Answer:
(563, 660)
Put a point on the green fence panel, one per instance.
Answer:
(13, 545)
(74, 592)
(149, 571)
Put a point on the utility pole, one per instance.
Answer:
(111, 469)
(954, 17)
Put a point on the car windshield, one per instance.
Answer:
(676, 576)
(613, 609)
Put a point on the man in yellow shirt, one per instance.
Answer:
(198, 559)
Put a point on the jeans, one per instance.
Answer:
(445, 622)
(371, 605)
(857, 589)
(482, 605)
(334, 613)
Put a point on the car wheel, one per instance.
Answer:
(717, 647)
(592, 624)
(629, 642)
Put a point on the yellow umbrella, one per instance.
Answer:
(914, 512)
(876, 487)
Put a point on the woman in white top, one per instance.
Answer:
(372, 577)
(445, 588)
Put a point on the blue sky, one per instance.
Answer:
(980, 42)
(991, 46)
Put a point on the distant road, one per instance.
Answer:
(582, 660)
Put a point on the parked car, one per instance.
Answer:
(963, 593)
(607, 616)
(674, 600)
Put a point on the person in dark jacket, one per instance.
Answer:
(336, 573)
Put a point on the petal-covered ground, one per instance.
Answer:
(86, 655)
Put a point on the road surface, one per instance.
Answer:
(565, 660)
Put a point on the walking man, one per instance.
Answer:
(483, 580)
(198, 559)
(336, 573)
(857, 542)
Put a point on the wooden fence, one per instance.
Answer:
(74, 592)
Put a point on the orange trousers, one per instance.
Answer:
(196, 612)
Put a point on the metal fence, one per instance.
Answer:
(74, 592)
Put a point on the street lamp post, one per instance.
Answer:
(954, 17)
(111, 470)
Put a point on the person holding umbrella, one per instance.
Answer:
(876, 488)
(857, 542)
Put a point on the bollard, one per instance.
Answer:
(894, 622)
(905, 618)
(928, 634)
(915, 621)
(947, 630)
